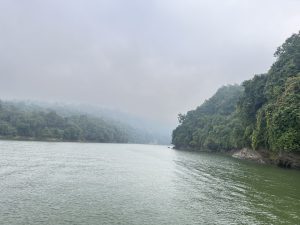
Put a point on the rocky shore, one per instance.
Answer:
(283, 159)
(248, 154)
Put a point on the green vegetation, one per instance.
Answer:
(263, 113)
(213, 125)
(20, 121)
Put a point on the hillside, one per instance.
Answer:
(263, 114)
(212, 125)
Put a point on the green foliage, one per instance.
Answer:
(287, 65)
(284, 118)
(213, 125)
(259, 135)
(252, 99)
(264, 114)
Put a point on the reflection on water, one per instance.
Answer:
(74, 183)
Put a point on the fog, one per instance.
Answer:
(152, 59)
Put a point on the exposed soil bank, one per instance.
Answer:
(283, 159)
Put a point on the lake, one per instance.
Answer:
(89, 183)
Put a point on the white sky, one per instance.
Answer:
(151, 58)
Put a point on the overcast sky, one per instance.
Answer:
(153, 58)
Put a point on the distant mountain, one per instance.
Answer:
(74, 122)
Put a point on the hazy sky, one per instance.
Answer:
(153, 58)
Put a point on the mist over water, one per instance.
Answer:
(71, 183)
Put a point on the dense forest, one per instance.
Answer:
(262, 113)
(21, 120)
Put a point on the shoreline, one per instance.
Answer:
(69, 141)
(285, 160)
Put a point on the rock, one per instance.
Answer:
(282, 159)
(288, 160)
(248, 154)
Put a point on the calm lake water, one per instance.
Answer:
(75, 183)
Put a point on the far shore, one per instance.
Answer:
(19, 138)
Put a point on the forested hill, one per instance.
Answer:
(213, 124)
(21, 120)
(263, 113)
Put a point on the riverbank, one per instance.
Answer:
(282, 159)
(20, 138)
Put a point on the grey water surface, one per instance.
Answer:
(83, 183)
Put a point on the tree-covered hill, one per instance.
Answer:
(211, 125)
(262, 114)
(21, 120)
